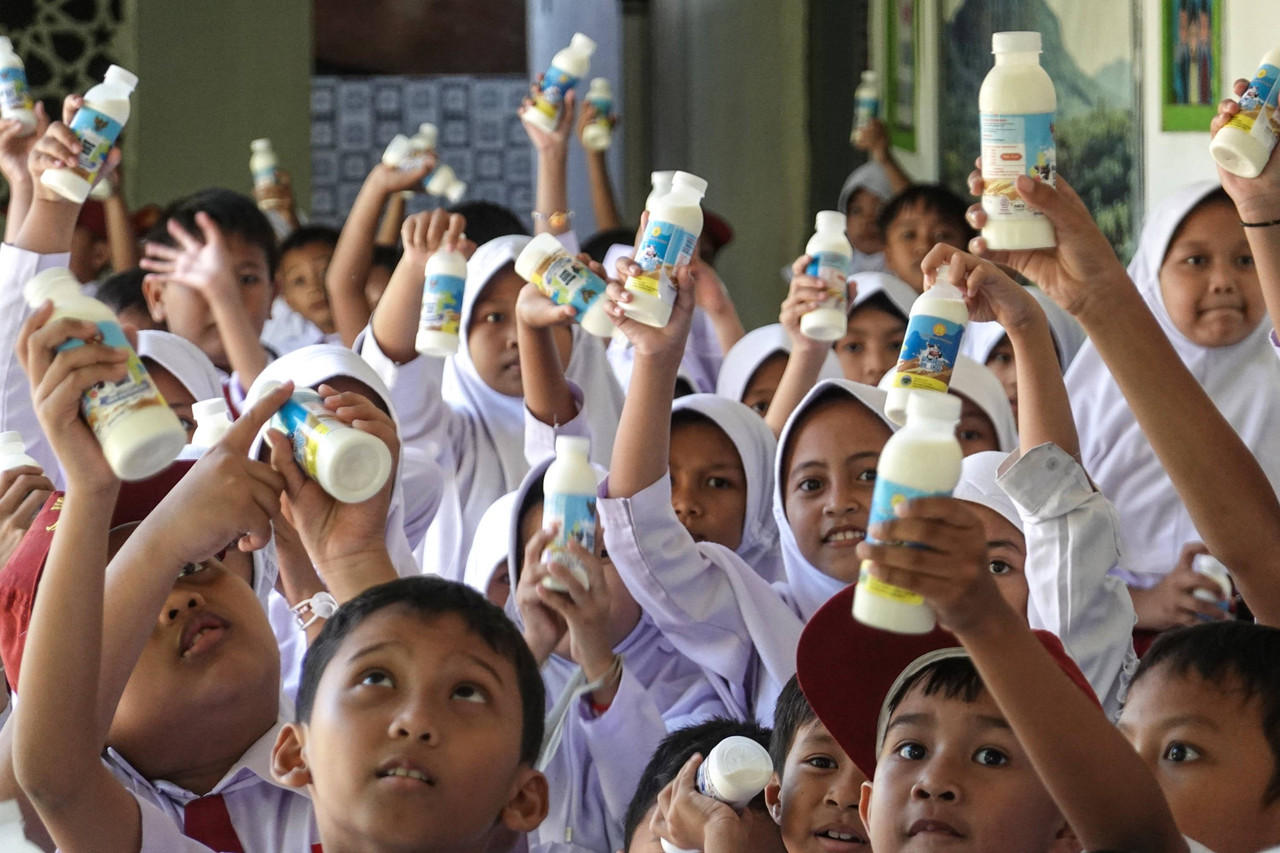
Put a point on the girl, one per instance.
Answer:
(878, 312)
(864, 192)
(753, 368)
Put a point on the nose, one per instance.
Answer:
(1223, 278)
(842, 498)
(414, 720)
(684, 502)
(179, 602)
(879, 362)
(937, 782)
(845, 790)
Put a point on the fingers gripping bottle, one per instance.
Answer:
(570, 489)
(15, 93)
(441, 304)
(263, 164)
(930, 346)
(97, 124)
(866, 103)
(565, 280)
(567, 67)
(831, 263)
(1017, 102)
(1243, 146)
(212, 421)
(598, 135)
(13, 454)
(734, 772)
(140, 435)
(675, 221)
(921, 460)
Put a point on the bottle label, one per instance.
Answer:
(305, 420)
(929, 353)
(15, 94)
(106, 403)
(864, 110)
(884, 500)
(576, 515)
(665, 247)
(567, 281)
(97, 133)
(1257, 115)
(441, 304)
(555, 83)
(832, 269)
(604, 107)
(265, 177)
(1014, 145)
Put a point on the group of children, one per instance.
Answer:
(224, 657)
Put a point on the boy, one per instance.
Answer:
(301, 314)
(916, 220)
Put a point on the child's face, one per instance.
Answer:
(911, 235)
(860, 222)
(871, 344)
(975, 431)
(952, 776)
(300, 280)
(1006, 556)
(708, 483)
(1003, 363)
(414, 738)
(1208, 280)
(1206, 745)
(764, 383)
(491, 337)
(175, 394)
(831, 474)
(815, 800)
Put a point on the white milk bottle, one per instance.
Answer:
(866, 103)
(213, 419)
(930, 345)
(831, 262)
(1211, 567)
(675, 221)
(1244, 145)
(15, 93)
(425, 140)
(13, 453)
(567, 67)
(139, 433)
(661, 185)
(263, 164)
(446, 276)
(922, 460)
(598, 135)
(1017, 102)
(398, 150)
(97, 124)
(569, 489)
(565, 280)
(348, 464)
(444, 182)
(735, 771)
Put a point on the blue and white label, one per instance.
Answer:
(15, 94)
(833, 270)
(604, 107)
(929, 352)
(1258, 106)
(107, 402)
(567, 281)
(304, 419)
(556, 83)
(1014, 145)
(97, 133)
(266, 177)
(665, 247)
(884, 501)
(864, 110)
(441, 304)
(576, 517)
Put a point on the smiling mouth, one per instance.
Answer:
(842, 836)
(845, 536)
(405, 774)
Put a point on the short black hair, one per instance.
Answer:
(1233, 656)
(488, 221)
(431, 597)
(599, 243)
(306, 235)
(386, 256)
(952, 678)
(234, 213)
(791, 713)
(672, 754)
(934, 198)
(123, 290)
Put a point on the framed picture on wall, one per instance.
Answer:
(1190, 63)
(902, 37)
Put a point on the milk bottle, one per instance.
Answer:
(930, 345)
(831, 262)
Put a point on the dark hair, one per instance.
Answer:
(123, 290)
(533, 496)
(881, 302)
(234, 213)
(433, 597)
(791, 712)
(487, 221)
(306, 235)
(386, 256)
(953, 678)
(671, 755)
(933, 198)
(599, 243)
(1235, 657)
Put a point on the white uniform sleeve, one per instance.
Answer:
(621, 741)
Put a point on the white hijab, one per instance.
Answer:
(1068, 335)
(870, 176)
(1243, 380)
(978, 485)
(490, 546)
(184, 360)
(977, 384)
(754, 349)
(900, 294)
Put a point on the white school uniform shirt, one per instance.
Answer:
(976, 383)
(751, 351)
(699, 365)
(1068, 335)
(287, 330)
(1243, 381)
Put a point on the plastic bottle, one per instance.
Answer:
(569, 487)
(931, 344)
(1244, 145)
(1017, 102)
(567, 67)
(566, 281)
(675, 221)
(661, 182)
(213, 419)
(348, 464)
(263, 164)
(921, 460)
(15, 93)
(97, 123)
(866, 103)
(734, 772)
(598, 135)
(1211, 567)
(139, 433)
(831, 263)
(444, 182)
(13, 453)
(398, 150)
(446, 276)
(426, 139)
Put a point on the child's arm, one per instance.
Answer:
(121, 240)
(807, 355)
(547, 395)
(603, 204)
(713, 297)
(875, 141)
(395, 324)
(392, 220)
(15, 147)
(552, 194)
(353, 256)
(1106, 792)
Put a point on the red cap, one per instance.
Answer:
(716, 230)
(849, 671)
(93, 218)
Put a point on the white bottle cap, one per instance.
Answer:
(870, 76)
(11, 440)
(583, 43)
(932, 405)
(830, 220)
(538, 250)
(121, 76)
(942, 275)
(260, 145)
(570, 445)
(54, 283)
(456, 191)
(661, 179)
(599, 88)
(6, 45)
(1015, 42)
(427, 136)
(212, 410)
(739, 768)
(691, 182)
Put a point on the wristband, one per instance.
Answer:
(1260, 224)
(612, 674)
(557, 219)
(322, 605)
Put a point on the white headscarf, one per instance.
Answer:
(978, 485)
(1068, 335)
(900, 294)
(184, 360)
(807, 587)
(490, 547)
(977, 384)
(754, 349)
(870, 176)
(1243, 380)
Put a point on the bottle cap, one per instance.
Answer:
(121, 76)
(1015, 42)
(11, 440)
(260, 145)
(569, 445)
(55, 283)
(456, 191)
(830, 220)
(661, 179)
(539, 249)
(942, 275)
(427, 136)
(213, 409)
(6, 46)
(742, 767)
(583, 43)
(691, 182)
(399, 149)
(599, 86)
(932, 405)
(870, 76)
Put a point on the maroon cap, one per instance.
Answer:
(93, 218)
(716, 230)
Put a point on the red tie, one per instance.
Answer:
(206, 820)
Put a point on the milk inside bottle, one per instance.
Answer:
(15, 93)
(735, 771)
(930, 346)
(567, 67)
(263, 164)
(97, 124)
(831, 262)
(446, 276)
(675, 221)
(565, 280)
(598, 135)
(569, 487)
(1244, 144)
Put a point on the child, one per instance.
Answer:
(301, 313)
(753, 367)
(122, 293)
(986, 418)
(182, 373)
(878, 312)
(914, 221)
(863, 195)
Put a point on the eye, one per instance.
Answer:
(718, 483)
(760, 407)
(809, 484)
(470, 693)
(822, 762)
(1000, 567)
(495, 317)
(1245, 262)
(1195, 260)
(376, 678)
(249, 279)
(968, 434)
(867, 475)
(187, 423)
(854, 347)
(190, 569)
(990, 757)
(894, 346)
(908, 234)
(1178, 752)
(1000, 358)
(911, 752)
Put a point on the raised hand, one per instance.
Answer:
(202, 263)
(557, 141)
(424, 234)
(1257, 199)
(544, 628)
(805, 294)
(989, 293)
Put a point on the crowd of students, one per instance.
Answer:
(184, 686)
